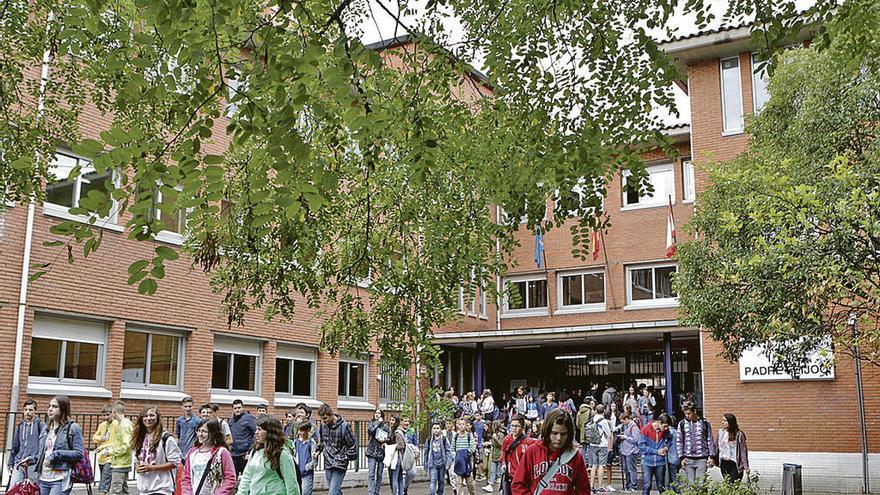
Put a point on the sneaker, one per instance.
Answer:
(488, 488)
(610, 489)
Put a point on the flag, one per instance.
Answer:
(670, 232)
(539, 247)
(594, 245)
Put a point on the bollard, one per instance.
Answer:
(791, 479)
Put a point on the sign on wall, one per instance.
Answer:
(755, 366)
(616, 365)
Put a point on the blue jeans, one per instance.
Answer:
(374, 482)
(655, 472)
(334, 480)
(438, 484)
(672, 476)
(585, 451)
(52, 487)
(629, 471)
(396, 476)
(495, 472)
(307, 481)
(647, 418)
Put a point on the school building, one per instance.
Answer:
(615, 319)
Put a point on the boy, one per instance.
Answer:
(479, 432)
(185, 427)
(306, 450)
(437, 457)
(102, 439)
(26, 444)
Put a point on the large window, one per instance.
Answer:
(353, 375)
(166, 210)
(63, 191)
(582, 291)
(525, 295)
(650, 285)
(760, 78)
(662, 179)
(731, 95)
(67, 351)
(688, 181)
(236, 366)
(393, 384)
(150, 358)
(295, 372)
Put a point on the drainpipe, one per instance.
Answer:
(26, 257)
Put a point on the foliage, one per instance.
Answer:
(305, 164)
(788, 243)
(708, 486)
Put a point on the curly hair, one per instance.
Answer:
(140, 431)
(273, 441)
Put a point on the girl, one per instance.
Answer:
(395, 470)
(496, 441)
(531, 408)
(378, 433)
(487, 405)
(102, 439)
(61, 447)
(209, 469)
(646, 405)
(156, 454)
(270, 469)
(732, 450)
(631, 399)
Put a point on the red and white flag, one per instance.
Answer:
(670, 232)
(594, 244)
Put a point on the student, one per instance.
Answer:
(411, 439)
(540, 459)
(449, 435)
(209, 469)
(61, 448)
(520, 401)
(479, 429)
(289, 431)
(378, 434)
(598, 435)
(242, 425)
(512, 449)
(270, 468)
(214, 412)
(584, 416)
(306, 450)
(398, 440)
(673, 460)
(733, 453)
(156, 454)
(464, 446)
(532, 412)
(302, 412)
(631, 399)
(487, 405)
(185, 426)
(629, 448)
(338, 445)
(25, 444)
(102, 439)
(646, 405)
(654, 445)
(496, 440)
(435, 459)
(120, 450)
(262, 410)
(612, 414)
(696, 445)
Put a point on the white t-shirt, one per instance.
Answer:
(198, 462)
(604, 429)
(47, 473)
(224, 425)
(726, 446)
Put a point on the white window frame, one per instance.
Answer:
(241, 347)
(724, 130)
(181, 346)
(389, 401)
(580, 308)
(506, 312)
(461, 302)
(483, 311)
(646, 201)
(297, 353)
(758, 77)
(168, 236)
(688, 181)
(71, 330)
(351, 398)
(63, 212)
(666, 302)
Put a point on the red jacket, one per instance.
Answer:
(571, 479)
(512, 459)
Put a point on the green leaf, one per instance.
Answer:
(137, 266)
(147, 286)
(213, 159)
(167, 253)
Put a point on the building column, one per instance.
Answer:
(478, 369)
(667, 369)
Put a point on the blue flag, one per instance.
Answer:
(539, 247)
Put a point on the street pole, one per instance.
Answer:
(866, 480)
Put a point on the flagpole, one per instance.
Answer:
(607, 267)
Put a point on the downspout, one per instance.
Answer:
(498, 277)
(28, 241)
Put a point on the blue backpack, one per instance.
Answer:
(463, 464)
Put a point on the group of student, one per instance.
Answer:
(205, 455)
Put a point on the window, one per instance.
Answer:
(582, 290)
(295, 371)
(150, 358)
(731, 95)
(461, 301)
(525, 295)
(236, 365)
(393, 383)
(166, 211)
(584, 200)
(352, 379)
(67, 351)
(760, 78)
(65, 192)
(482, 306)
(662, 179)
(688, 181)
(650, 285)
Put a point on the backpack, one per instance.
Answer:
(463, 465)
(593, 433)
(80, 471)
(352, 452)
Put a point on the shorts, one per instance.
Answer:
(598, 456)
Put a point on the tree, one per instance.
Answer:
(305, 164)
(788, 234)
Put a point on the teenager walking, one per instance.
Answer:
(25, 445)
(512, 449)
(101, 438)
(120, 450)
(654, 445)
(157, 454)
(598, 436)
(673, 459)
(270, 468)
(306, 450)
(496, 441)
(436, 458)
(61, 447)
(553, 462)
(398, 444)
(733, 453)
(208, 469)
(629, 449)
(464, 446)
(186, 424)
(378, 434)
(243, 426)
(696, 444)
(338, 445)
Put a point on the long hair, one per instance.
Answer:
(558, 417)
(732, 426)
(273, 442)
(215, 433)
(63, 409)
(140, 431)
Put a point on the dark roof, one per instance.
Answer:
(407, 38)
